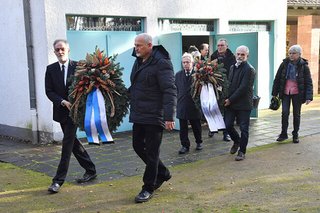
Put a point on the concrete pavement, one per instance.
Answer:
(118, 160)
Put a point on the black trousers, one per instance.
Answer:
(243, 117)
(70, 144)
(146, 141)
(196, 128)
(296, 104)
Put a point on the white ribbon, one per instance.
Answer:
(210, 108)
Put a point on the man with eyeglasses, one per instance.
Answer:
(187, 112)
(56, 86)
(239, 101)
(225, 56)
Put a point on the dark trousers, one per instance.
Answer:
(243, 117)
(296, 104)
(70, 144)
(146, 141)
(196, 128)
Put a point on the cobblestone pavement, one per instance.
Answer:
(118, 160)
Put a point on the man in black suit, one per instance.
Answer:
(56, 85)
(186, 108)
(239, 101)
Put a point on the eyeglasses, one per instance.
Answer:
(221, 45)
(241, 54)
(58, 49)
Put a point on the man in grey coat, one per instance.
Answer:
(186, 108)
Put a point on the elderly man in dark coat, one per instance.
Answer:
(186, 108)
(152, 108)
(239, 101)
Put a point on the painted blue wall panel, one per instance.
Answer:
(122, 43)
(173, 44)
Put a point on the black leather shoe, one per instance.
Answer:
(159, 182)
(143, 196)
(234, 148)
(240, 156)
(54, 188)
(184, 150)
(226, 137)
(199, 146)
(86, 177)
(210, 134)
(295, 139)
(282, 137)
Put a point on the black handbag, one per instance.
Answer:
(275, 103)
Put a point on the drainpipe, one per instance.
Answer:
(31, 72)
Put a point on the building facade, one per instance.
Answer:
(303, 27)
(31, 26)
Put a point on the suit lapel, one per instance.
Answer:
(71, 69)
(231, 74)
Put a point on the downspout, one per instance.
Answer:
(31, 71)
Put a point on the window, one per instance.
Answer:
(103, 23)
(176, 25)
(242, 26)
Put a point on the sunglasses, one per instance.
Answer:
(58, 49)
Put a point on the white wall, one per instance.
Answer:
(49, 23)
(14, 83)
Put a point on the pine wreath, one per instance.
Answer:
(209, 72)
(103, 73)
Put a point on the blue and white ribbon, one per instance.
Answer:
(210, 108)
(95, 121)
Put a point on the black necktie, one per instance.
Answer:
(188, 73)
(62, 70)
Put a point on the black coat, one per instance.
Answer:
(186, 108)
(228, 60)
(304, 80)
(152, 91)
(240, 90)
(56, 91)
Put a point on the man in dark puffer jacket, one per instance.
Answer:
(293, 83)
(225, 56)
(152, 108)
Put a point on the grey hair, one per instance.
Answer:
(296, 48)
(60, 40)
(243, 47)
(223, 39)
(196, 54)
(146, 37)
(187, 55)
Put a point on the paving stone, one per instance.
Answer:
(118, 160)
